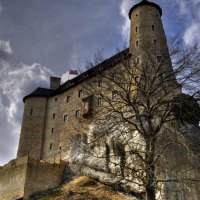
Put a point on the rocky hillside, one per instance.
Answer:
(82, 188)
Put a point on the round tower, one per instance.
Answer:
(32, 129)
(147, 33)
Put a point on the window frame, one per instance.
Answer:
(78, 113)
(54, 115)
(68, 99)
(65, 117)
(80, 93)
(31, 112)
(137, 43)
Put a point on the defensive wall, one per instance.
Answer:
(22, 177)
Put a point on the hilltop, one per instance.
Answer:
(82, 188)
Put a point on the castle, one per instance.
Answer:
(52, 116)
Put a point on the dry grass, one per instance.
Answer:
(83, 188)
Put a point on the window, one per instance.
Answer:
(100, 83)
(136, 29)
(136, 15)
(50, 147)
(87, 107)
(153, 28)
(154, 42)
(80, 93)
(78, 113)
(52, 130)
(66, 118)
(56, 99)
(99, 102)
(54, 115)
(137, 43)
(114, 94)
(60, 148)
(68, 99)
(138, 60)
(31, 112)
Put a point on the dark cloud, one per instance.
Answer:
(50, 30)
(62, 34)
(16, 81)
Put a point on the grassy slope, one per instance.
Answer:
(82, 188)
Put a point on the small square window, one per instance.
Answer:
(136, 15)
(54, 115)
(78, 113)
(153, 28)
(80, 93)
(154, 42)
(68, 99)
(137, 43)
(137, 60)
(52, 130)
(60, 148)
(66, 118)
(56, 99)
(50, 147)
(31, 112)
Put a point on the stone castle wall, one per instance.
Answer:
(60, 128)
(25, 176)
(31, 137)
(12, 179)
(42, 176)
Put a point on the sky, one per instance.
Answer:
(43, 38)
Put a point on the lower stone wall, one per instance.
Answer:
(22, 177)
(42, 176)
(12, 179)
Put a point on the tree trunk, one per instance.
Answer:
(150, 169)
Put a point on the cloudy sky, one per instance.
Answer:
(39, 38)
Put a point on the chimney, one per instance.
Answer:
(72, 73)
(54, 82)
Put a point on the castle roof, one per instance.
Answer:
(106, 64)
(142, 3)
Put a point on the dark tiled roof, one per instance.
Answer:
(106, 64)
(145, 2)
(40, 92)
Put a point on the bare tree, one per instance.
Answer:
(138, 120)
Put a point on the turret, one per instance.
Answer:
(32, 130)
(147, 33)
(148, 44)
